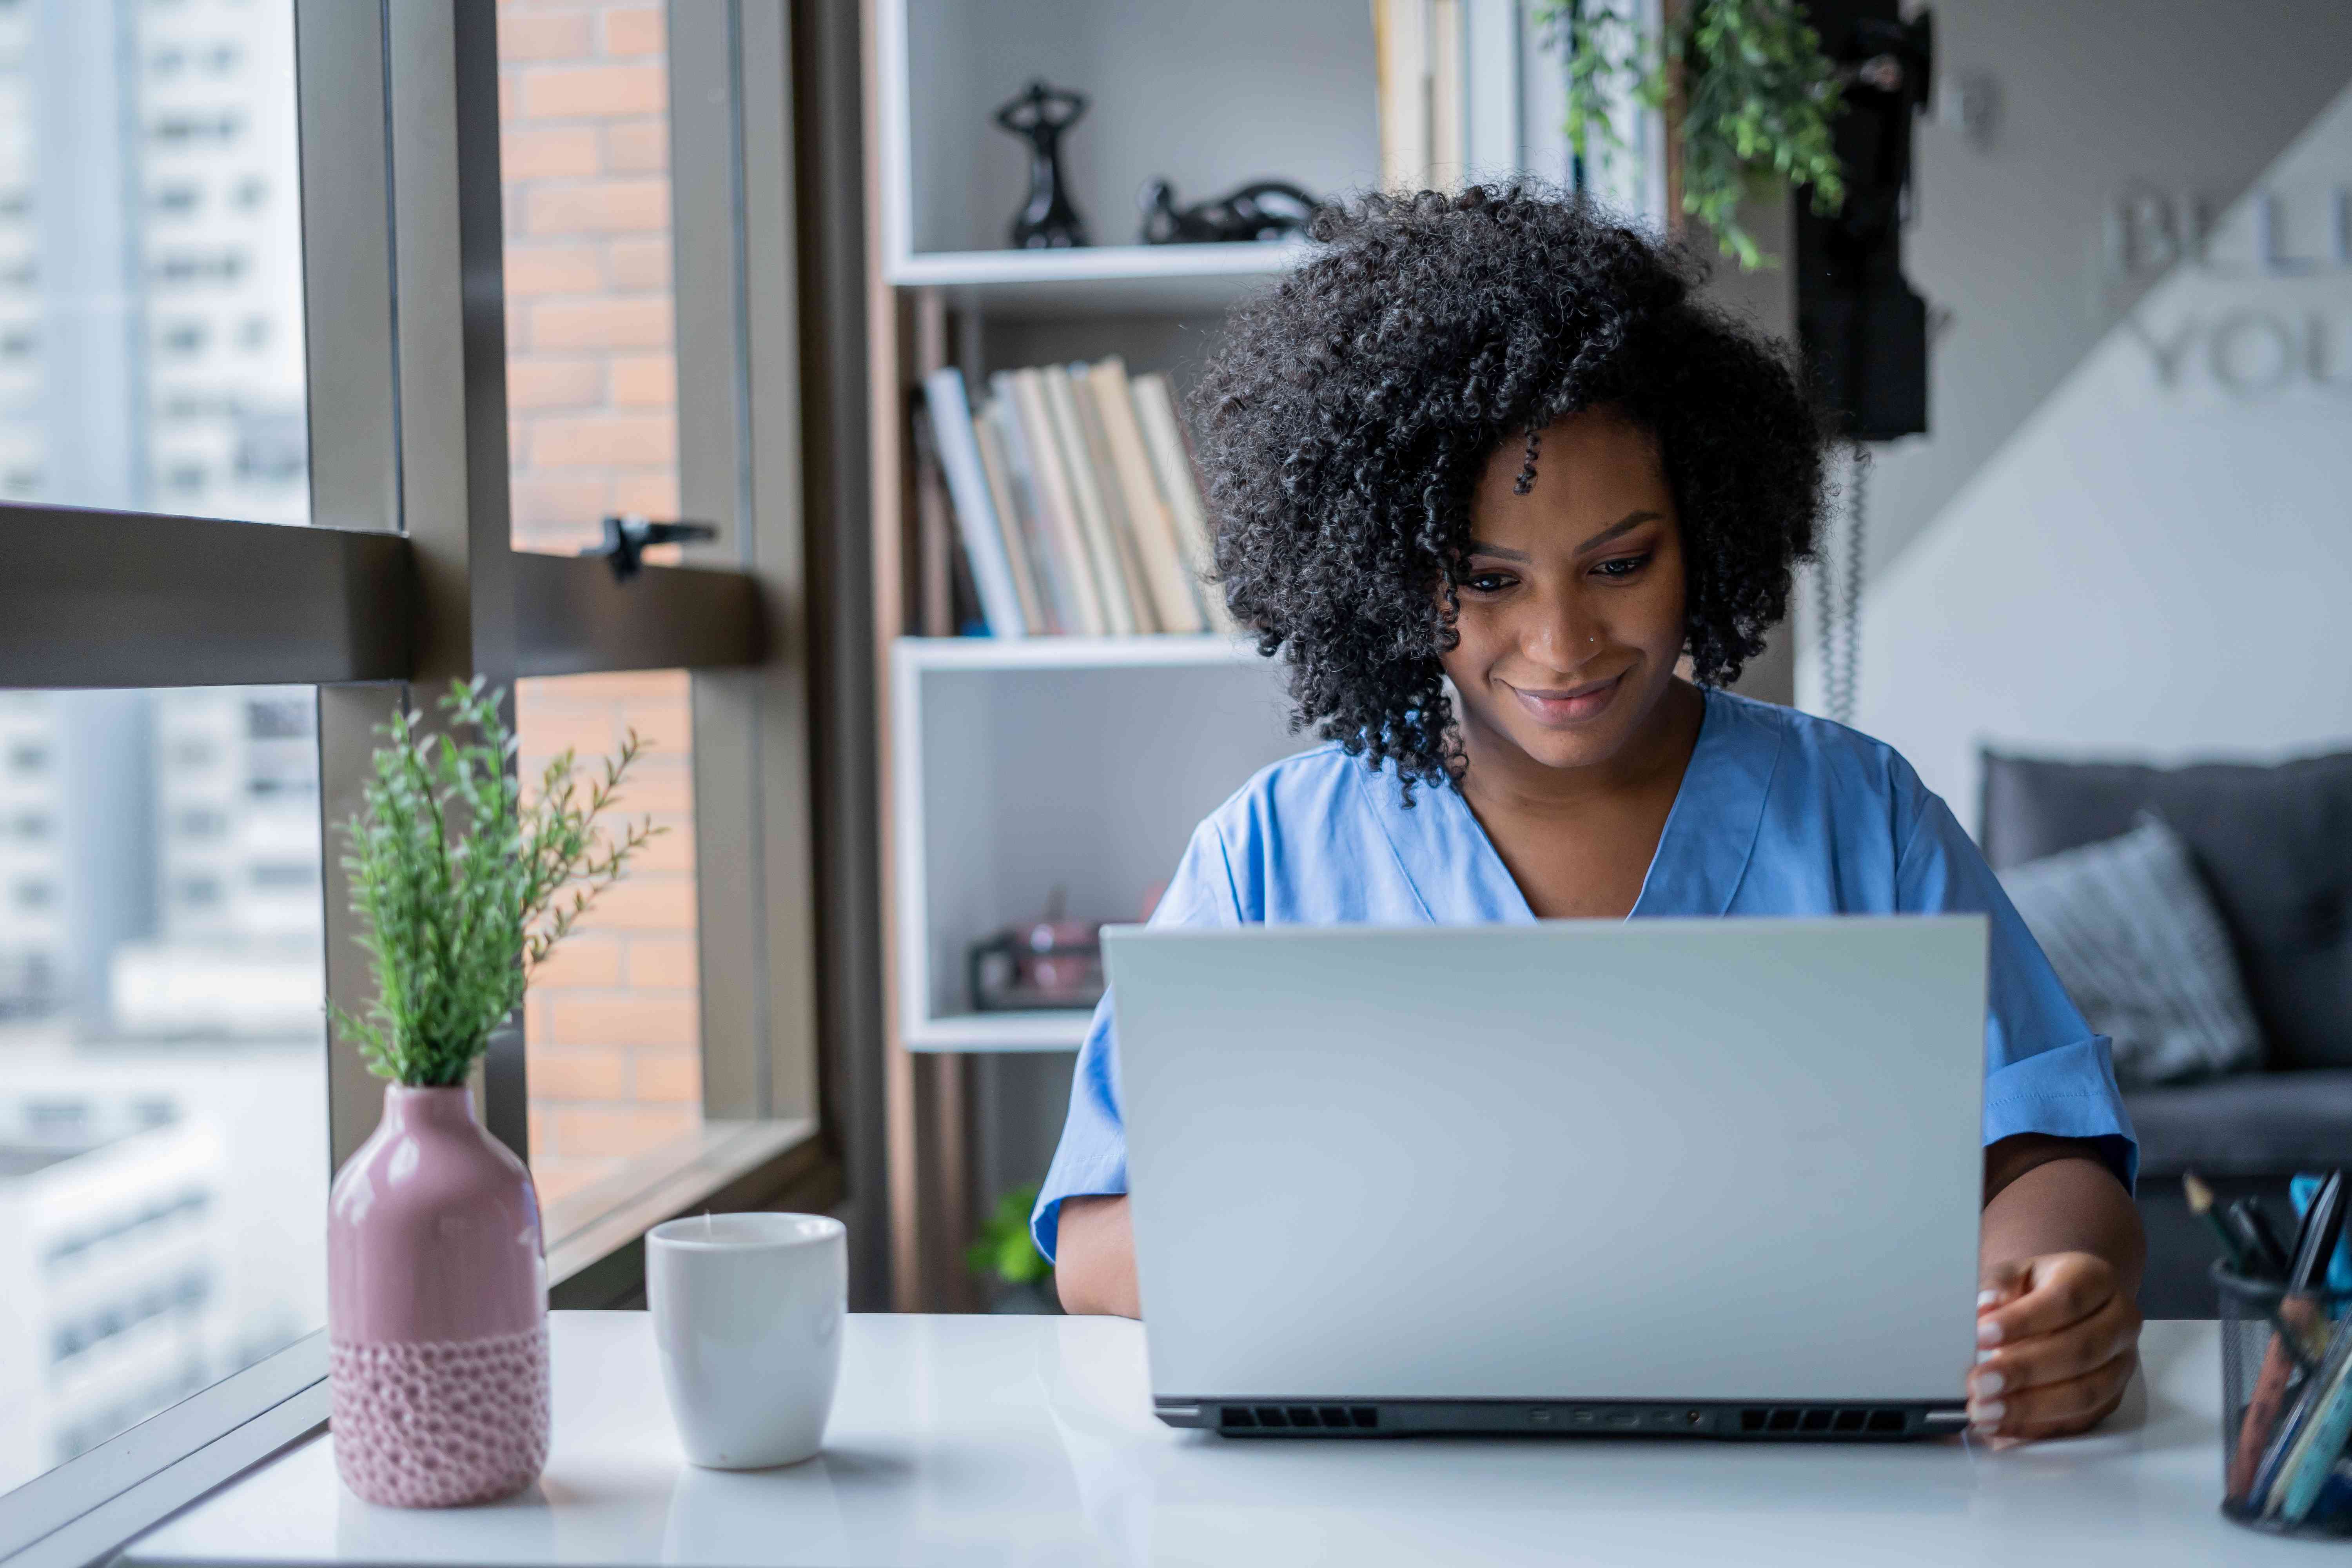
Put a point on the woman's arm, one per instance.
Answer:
(2059, 1261)
(1094, 1258)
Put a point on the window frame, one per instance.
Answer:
(407, 577)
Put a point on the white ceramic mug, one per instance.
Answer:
(747, 1313)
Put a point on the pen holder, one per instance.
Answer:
(2286, 1408)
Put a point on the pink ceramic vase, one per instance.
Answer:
(436, 1310)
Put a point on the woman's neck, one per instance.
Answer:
(1501, 779)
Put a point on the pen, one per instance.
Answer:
(2253, 1228)
(2301, 1337)
(2313, 1454)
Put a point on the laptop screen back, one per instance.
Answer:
(1730, 1160)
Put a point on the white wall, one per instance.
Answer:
(2158, 562)
(2005, 236)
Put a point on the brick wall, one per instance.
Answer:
(614, 1038)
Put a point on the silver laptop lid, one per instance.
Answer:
(1723, 1159)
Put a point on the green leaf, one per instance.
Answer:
(456, 880)
(1003, 1249)
(1760, 99)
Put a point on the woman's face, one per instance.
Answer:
(1572, 603)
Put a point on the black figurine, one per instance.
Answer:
(1268, 210)
(1047, 221)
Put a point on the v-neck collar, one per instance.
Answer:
(1459, 878)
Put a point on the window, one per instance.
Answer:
(101, 421)
(615, 1032)
(613, 1025)
(169, 932)
(148, 1036)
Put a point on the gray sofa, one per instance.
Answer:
(2274, 847)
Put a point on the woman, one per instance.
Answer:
(1485, 473)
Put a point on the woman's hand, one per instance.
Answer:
(2057, 1339)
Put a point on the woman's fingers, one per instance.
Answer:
(2111, 1332)
(2057, 1290)
(2054, 1409)
(2057, 1341)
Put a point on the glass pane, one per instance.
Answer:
(591, 387)
(151, 276)
(615, 1060)
(163, 1156)
(613, 1024)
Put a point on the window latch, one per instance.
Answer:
(626, 539)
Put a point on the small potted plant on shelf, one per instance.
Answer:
(436, 1288)
(1004, 1256)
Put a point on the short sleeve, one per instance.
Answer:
(2045, 1071)
(1092, 1156)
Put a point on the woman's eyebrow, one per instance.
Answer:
(1480, 547)
(1631, 520)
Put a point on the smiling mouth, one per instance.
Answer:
(1568, 705)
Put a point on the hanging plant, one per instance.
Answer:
(1758, 98)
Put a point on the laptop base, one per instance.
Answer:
(1723, 1420)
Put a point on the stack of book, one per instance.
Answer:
(1075, 502)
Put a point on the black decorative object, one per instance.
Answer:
(1863, 328)
(1266, 210)
(1047, 221)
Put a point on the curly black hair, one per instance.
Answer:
(1345, 418)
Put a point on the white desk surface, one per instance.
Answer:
(1029, 1440)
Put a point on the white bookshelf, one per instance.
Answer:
(1021, 766)
(1012, 767)
(1208, 94)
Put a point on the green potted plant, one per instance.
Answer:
(437, 1289)
(1005, 1255)
(1757, 99)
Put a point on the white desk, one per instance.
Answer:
(1029, 1440)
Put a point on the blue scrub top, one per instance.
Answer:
(1779, 814)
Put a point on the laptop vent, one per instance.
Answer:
(1300, 1418)
(1819, 1421)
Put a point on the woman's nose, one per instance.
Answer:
(1561, 636)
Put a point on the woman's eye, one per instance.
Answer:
(1486, 581)
(1622, 566)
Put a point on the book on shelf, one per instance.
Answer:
(1419, 70)
(1076, 509)
(1152, 534)
(1171, 461)
(1094, 524)
(986, 550)
(1073, 558)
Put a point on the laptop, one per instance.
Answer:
(1704, 1178)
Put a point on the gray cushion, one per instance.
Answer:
(2135, 943)
(2274, 844)
(2253, 1124)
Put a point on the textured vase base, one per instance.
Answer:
(439, 1426)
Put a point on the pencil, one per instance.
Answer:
(2200, 1204)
